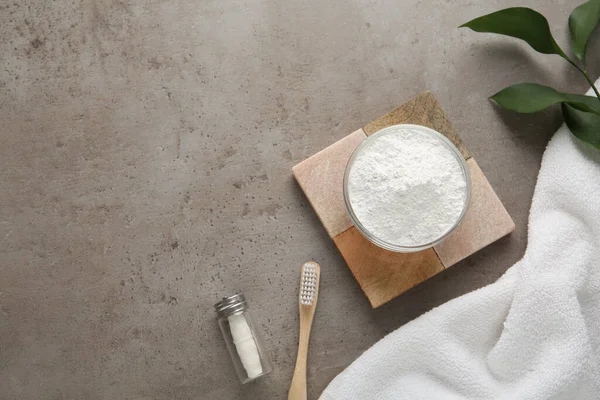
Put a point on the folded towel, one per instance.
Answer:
(534, 334)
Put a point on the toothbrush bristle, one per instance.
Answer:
(308, 286)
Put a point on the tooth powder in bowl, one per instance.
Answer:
(406, 188)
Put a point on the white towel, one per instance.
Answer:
(534, 334)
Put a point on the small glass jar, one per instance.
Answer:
(243, 339)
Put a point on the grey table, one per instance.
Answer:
(145, 156)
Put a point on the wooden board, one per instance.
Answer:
(383, 275)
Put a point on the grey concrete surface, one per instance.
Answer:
(145, 171)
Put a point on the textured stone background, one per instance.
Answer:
(145, 171)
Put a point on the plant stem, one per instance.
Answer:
(587, 77)
(591, 83)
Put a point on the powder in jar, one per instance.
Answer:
(407, 187)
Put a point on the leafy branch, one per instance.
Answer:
(581, 113)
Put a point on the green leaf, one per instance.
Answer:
(588, 104)
(528, 98)
(585, 126)
(521, 23)
(582, 22)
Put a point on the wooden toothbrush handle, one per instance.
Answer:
(298, 386)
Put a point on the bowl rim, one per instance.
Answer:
(392, 246)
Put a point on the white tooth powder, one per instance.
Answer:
(406, 187)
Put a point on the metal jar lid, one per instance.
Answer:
(231, 304)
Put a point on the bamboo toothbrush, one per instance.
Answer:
(309, 292)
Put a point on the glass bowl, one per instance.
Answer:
(392, 246)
